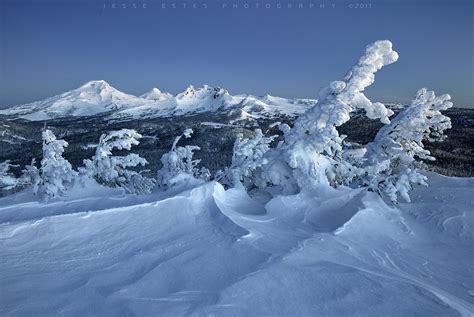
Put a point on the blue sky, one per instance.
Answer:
(48, 47)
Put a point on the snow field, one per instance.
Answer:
(208, 251)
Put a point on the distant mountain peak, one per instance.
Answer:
(101, 84)
(205, 91)
(156, 94)
(156, 90)
(100, 89)
(190, 91)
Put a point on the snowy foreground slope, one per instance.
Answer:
(205, 251)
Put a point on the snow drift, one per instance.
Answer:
(200, 252)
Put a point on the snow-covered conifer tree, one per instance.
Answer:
(8, 181)
(311, 154)
(178, 164)
(248, 155)
(113, 171)
(391, 157)
(55, 172)
(31, 176)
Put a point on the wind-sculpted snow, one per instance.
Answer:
(204, 250)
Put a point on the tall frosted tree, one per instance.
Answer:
(311, 154)
(55, 172)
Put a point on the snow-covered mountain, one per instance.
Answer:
(98, 97)
(156, 94)
(92, 98)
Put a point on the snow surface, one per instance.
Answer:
(98, 97)
(202, 250)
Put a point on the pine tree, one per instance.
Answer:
(55, 172)
(8, 181)
(311, 154)
(391, 165)
(248, 155)
(114, 171)
(178, 164)
(31, 176)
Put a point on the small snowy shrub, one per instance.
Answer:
(55, 173)
(178, 164)
(31, 176)
(311, 154)
(248, 155)
(391, 157)
(8, 181)
(113, 171)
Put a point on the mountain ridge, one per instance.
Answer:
(99, 97)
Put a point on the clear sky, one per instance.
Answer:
(48, 47)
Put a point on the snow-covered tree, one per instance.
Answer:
(311, 154)
(114, 171)
(248, 155)
(31, 176)
(55, 172)
(391, 157)
(178, 164)
(8, 181)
